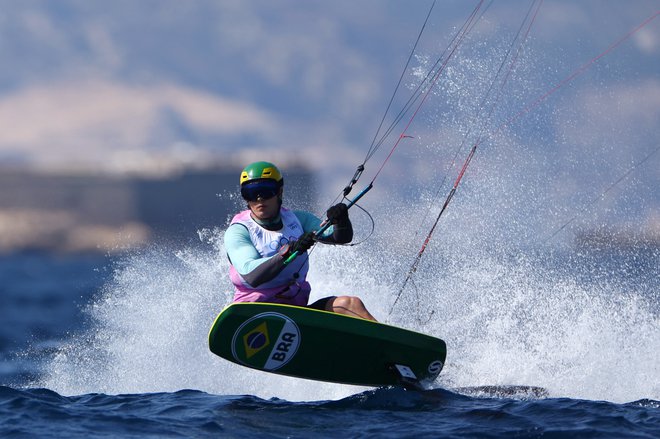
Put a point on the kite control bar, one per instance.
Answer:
(327, 224)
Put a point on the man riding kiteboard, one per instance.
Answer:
(261, 240)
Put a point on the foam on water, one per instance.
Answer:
(525, 324)
(505, 323)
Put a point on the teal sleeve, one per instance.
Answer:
(242, 254)
(311, 223)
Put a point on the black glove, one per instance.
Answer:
(338, 214)
(302, 244)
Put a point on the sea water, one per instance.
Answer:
(544, 345)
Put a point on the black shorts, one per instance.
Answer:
(321, 303)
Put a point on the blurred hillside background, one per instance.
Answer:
(124, 120)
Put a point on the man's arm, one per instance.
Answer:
(245, 258)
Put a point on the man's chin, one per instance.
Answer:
(263, 216)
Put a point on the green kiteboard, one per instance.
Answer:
(325, 346)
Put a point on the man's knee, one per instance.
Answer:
(349, 305)
(347, 302)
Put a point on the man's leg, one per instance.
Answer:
(349, 305)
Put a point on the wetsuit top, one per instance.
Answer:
(257, 269)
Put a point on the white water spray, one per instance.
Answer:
(504, 323)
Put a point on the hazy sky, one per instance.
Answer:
(131, 85)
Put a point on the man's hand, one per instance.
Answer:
(338, 214)
(302, 244)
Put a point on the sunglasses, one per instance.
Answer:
(264, 190)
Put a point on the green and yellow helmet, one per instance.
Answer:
(261, 171)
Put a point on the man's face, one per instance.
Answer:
(265, 209)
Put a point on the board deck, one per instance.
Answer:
(324, 346)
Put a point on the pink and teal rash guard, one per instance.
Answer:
(257, 269)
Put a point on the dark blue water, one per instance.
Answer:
(92, 346)
(384, 412)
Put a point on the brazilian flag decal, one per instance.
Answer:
(267, 341)
(256, 340)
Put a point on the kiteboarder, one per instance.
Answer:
(261, 240)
